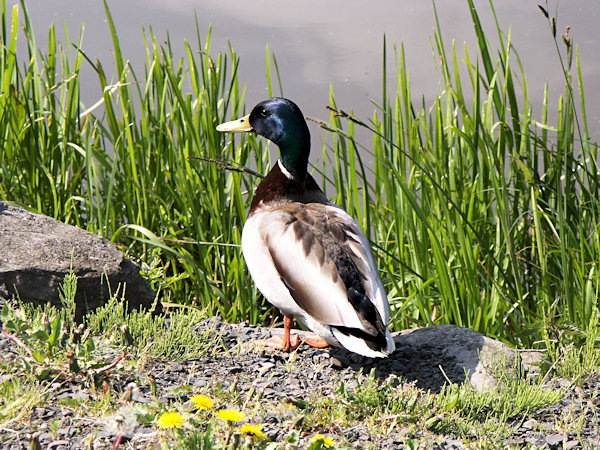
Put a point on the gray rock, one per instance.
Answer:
(529, 424)
(433, 356)
(36, 252)
(554, 440)
(458, 352)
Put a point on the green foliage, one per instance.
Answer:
(156, 274)
(66, 295)
(374, 399)
(206, 440)
(460, 408)
(139, 329)
(483, 210)
(18, 396)
(201, 440)
(483, 215)
(51, 343)
(576, 359)
(379, 405)
(126, 173)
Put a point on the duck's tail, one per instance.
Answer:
(361, 344)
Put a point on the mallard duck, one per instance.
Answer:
(307, 256)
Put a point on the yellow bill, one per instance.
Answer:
(236, 126)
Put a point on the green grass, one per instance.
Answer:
(140, 329)
(19, 397)
(482, 210)
(53, 345)
(54, 349)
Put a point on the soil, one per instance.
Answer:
(305, 374)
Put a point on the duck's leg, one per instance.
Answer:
(287, 326)
(288, 342)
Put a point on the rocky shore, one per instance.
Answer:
(277, 376)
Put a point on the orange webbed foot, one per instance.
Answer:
(279, 342)
(315, 341)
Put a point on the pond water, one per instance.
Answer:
(337, 41)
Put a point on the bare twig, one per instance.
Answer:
(17, 341)
(228, 165)
(110, 366)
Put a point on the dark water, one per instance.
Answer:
(337, 42)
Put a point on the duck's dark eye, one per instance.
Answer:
(264, 113)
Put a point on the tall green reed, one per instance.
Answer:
(481, 214)
(485, 216)
(123, 169)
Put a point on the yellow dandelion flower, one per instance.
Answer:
(202, 401)
(231, 415)
(252, 430)
(326, 442)
(171, 419)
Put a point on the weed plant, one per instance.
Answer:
(482, 214)
(180, 338)
(52, 344)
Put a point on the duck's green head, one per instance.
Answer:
(281, 121)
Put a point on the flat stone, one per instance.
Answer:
(459, 352)
(38, 251)
(554, 440)
(265, 368)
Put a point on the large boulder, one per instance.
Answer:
(36, 252)
(451, 353)
(434, 356)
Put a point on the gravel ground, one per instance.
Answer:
(311, 372)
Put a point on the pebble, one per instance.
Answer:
(56, 444)
(176, 367)
(265, 368)
(338, 363)
(235, 369)
(554, 440)
(45, 437)
(80, 396)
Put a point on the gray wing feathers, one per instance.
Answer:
(325, 261)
